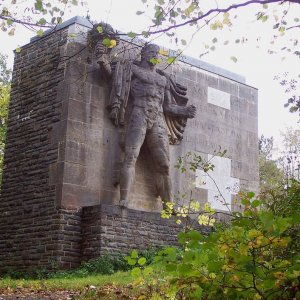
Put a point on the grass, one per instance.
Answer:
(105, 277)
(91, 287)
(68, 283)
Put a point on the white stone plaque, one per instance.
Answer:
(218, 98)
(219, 183)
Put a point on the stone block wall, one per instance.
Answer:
(110, 229)
(34, 231)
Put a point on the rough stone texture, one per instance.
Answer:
(63, 153)
(33, 230)
(110, 229)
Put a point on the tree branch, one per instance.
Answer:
(221, 10)
(24, 22)
(292, 27)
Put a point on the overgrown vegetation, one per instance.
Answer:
(255, 256)
(104, 265)
(5, 74)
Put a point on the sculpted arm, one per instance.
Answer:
(103, 59)
(176, 110)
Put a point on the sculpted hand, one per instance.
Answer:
(100, 50)
(191, 111)
(114, 116)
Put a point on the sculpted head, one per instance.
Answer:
(149, 53)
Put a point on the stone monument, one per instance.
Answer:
(89, 127)
(151, 97)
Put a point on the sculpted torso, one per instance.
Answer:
(147, 88)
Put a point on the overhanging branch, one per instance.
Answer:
(14, 20)
(221, 10)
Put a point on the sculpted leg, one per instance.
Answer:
(158, 144)
(135, 136)
(128, 173)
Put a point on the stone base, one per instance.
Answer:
(112, 229)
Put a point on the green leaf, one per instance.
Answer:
(38, 5)
(161, 2)
(170, 251)
(194, 235)
(188, 256)
(269, 283)
(134, 254)
(265, 6)
(216, 25)
(42, 21)
(75, 2)
(170, 60)
(106, 42)
(233, 58)
(40, 32)
(182, 237)
(266, 218)
(171, 267)
(148, 270)
(145, 34)
(142, 261)
(9, 22)
(255, 203)
(198, 293)
(99, 29)
(154, 61)
(296, 20)
(136, 272)
(185, 268)
(282, 224)
(250, 195)
(18, 50)
(131, 35)
(131, 261)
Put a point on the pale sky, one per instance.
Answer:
(253, 62)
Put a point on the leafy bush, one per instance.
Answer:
(255, 256)
(249, 259)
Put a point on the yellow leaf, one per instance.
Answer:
(11, 32)
(163, 52)
(113, 43)
(211, 222)
(203, 220)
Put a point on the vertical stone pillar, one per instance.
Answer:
(35, 228)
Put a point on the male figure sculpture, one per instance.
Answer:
(150, 94)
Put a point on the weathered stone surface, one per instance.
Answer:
(111, 229)
(62, 154)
